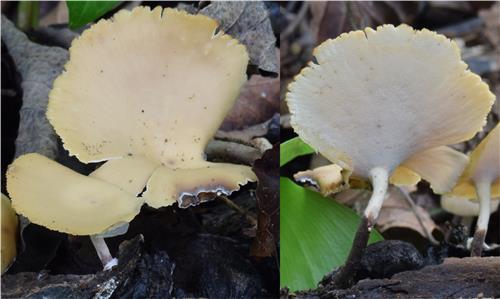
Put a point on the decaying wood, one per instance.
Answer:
(138, 275)
(454, 278)
(38, 66)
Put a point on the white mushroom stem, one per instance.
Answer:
(379, 177)
(102, 249)
(380, 181)
(483, 193)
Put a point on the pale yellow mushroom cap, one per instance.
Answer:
(152, 84)
(376, 98)
(484, 165)
(9, 233)
(441, 166)
(184, 185)
(61, 199)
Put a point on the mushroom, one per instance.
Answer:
(167, 99)
(61, 199)
(9, 233)
(379, 99)
(465, 207)
(481, 180)
(325, 179)
(144, 92)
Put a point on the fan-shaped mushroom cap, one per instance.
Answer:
(147, 83)
(484, 166)
(378, 98)
(465, 207)
(151, 84)
(61, 199)
(441, 166)
(9, 233)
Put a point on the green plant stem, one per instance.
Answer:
(27, 15)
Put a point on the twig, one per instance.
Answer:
(239, 209)
(295, 22)
(246, 135)
(232, 152)
(417, 215)
(262, 144)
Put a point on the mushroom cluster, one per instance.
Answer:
(144, 92)
(383, 104)
(481, 181)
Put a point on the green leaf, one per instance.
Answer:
(316, 234)
(293, 148)
(84, 12)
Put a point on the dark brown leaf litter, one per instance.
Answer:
(259, 100)
(138, 275)
(330, 19)
(454, 278)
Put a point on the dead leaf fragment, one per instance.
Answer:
(249, 23)
(491, 17)
(397, 212)
(258, 101)
(331, 18)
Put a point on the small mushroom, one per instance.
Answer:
(481, 181)
(158, 104)
(379, 99)
(325, 179)
(465, 207)
(9, 233)
(61, 199)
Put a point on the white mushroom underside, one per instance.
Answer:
(375, 98)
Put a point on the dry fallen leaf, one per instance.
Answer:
(249, 23)
(330, 19)
(490, 18)
(259, 101)
(397, 212)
